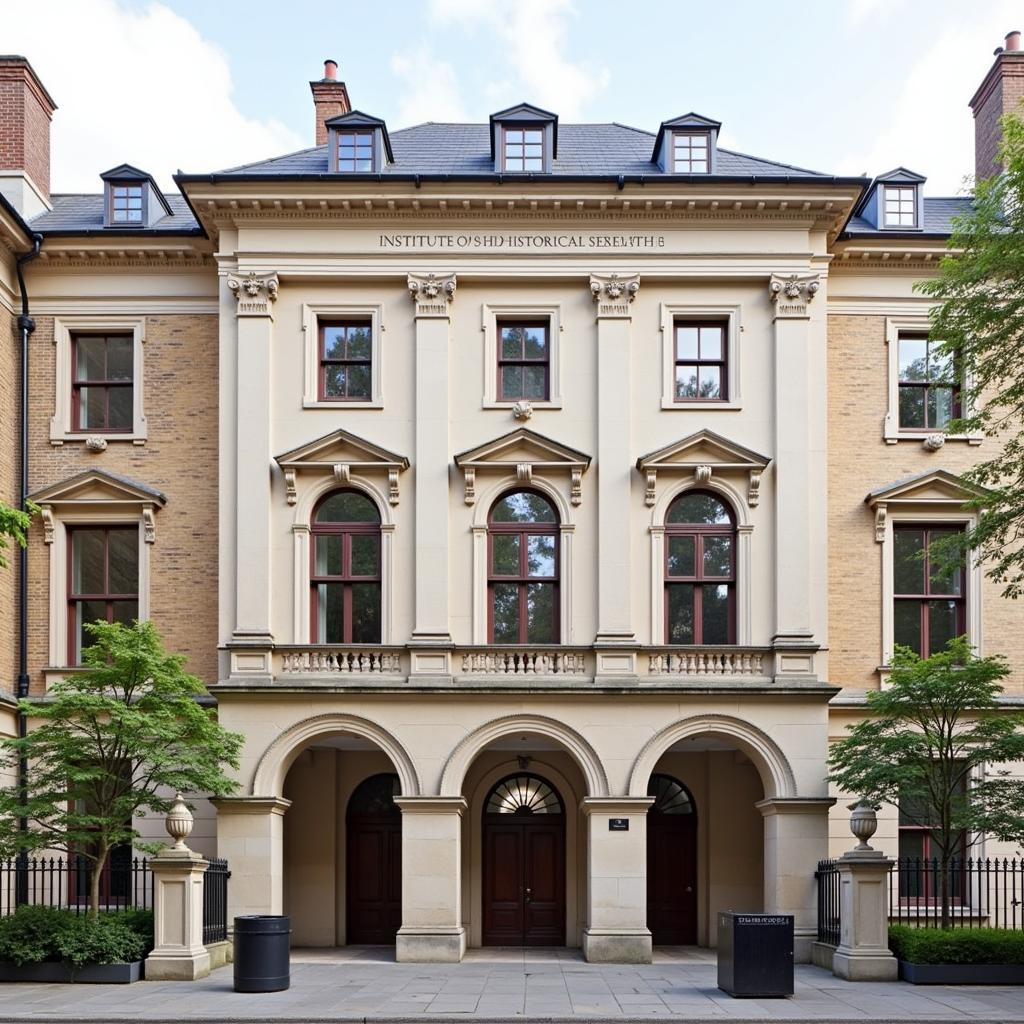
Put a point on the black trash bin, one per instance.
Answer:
(261, 953)
(755, 954)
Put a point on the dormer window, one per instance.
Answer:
(524, 149)
(357, 143)
(900, 206)
(894, 202)
(355, 151)
(126, 203)
(131, 199)
(524, 140)
(691, 152)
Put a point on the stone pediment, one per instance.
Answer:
(524, 452)
(936, 488)
(703, 454)
(341, 453)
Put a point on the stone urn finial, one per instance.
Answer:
(179, 822)
(863, 824)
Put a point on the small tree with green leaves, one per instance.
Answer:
(14, 524)
(925, 735)
(110, 744)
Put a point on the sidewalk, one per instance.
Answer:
(503, 985)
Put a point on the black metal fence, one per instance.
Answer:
(215, 901)
(983, 893)
(827, 877)
(126, 883)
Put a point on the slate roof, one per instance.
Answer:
(77, 213)
(939, 212)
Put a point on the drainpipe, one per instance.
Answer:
(26, 325)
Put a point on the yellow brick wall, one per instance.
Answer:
(179, 458)
(859, 462)
(9, 493)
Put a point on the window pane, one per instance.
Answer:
(680, 613)
(88, 611)
(328, 555)
(710, 382)
(686, 342)
(359, 342)
(540, 613)
(908, 563)
(907, 624)
(711, 343)
(700, 509)
(330, 613)
(715, 627)
(87, 554)
(718, 556)
(505, 605)
(535, 382)
(334, 343)
(90, 358)
(512, 339)
(536, 342)
(119, 358)
(123, 552)
(533, 136)
(913, 358)
(940, 406)
(912, 407)
(540, 555)
(92, 408)
(125, 612)
(366, 613)
(505, 554)
(686, 382)
(523, 507)
(944, 579)
(911, 842)
(365, 554)
(942, 624)
(940, 364)
(120, 400)
(512, 382)
(359, 381)
(681, 556)
(335, 378)
(347, 507)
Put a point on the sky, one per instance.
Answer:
(842, 86)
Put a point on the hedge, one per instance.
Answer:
(957, 945)
(34, 934)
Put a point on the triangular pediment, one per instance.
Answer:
(519, 447)
(938, 486)
(97, 486)
(340, 447)
(704, 448)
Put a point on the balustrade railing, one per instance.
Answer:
(707, 661)
(531, 662)
(349, 661)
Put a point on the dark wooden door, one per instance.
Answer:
(672, 879)
(374, 891)
(523, 881)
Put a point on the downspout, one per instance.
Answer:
(26, 325)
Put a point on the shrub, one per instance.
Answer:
(957, 945)
(29, 936)
(35, 934)
(105, 940)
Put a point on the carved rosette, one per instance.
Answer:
(432, 293)
(791, 294)
(256, 293)
(614, 293)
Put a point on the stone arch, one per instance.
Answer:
(482, 508)
(771, 763)
(579, 749)
(268, 779)
(309, 496)
(716, 485)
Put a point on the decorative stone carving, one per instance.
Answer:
(650, 494)
(179, 822)
(792, 294)
(524, 472)
(148, 524)
(702, 474)
(933, 442)
(255, 293)
(522, 410)
(291, 491)
(342, 473)
(576, 487)
(614, 293)
(432, 293)
(881, 512)
(392, 487)
(46, 514)
(754, 488)
(95, 443)
(470, 474)
(863, 824)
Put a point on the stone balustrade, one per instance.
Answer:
(345, 661)
(708, 661)
(493, 661)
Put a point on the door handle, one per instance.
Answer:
(529, 893)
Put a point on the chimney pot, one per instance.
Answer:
(1013, 40)
(330, 98)
(330, 69)
(1001, 91)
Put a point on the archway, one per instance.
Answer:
(671, 863)
(373, 838)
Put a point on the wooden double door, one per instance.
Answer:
(373, 893)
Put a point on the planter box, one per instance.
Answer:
(962, 974)
(93, 974)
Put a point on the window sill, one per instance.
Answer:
(704, 406)
(553, 403)
(377, 403)
(921, 435)
(133, 438)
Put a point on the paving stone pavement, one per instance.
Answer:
(504, 985)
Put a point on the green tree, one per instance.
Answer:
(925, 735)
(109, 744)
(14, 524)
(980, 320)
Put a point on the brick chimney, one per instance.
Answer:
(26, 109)
(999, 93)
(330, 98)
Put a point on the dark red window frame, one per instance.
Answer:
(106, 383)
(721, 363)
(325, 361)
(532, 324)
(346, 579)
(522, 579)
(698, 580)
(926, 386)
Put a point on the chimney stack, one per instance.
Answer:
(1000, 93)
(26, 109)
(330, 98)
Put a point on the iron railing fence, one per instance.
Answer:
(983, 892)
(126, 883)
(827, 876)
(215, 901)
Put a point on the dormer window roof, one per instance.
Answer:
(687, 145)
(358, 143)
(132, 198)
(524, 140)
(895, 201)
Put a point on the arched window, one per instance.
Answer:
(376, 795)
(345, 571)
(523, 794)
(670, 796)
(700, 570)
(522, 578)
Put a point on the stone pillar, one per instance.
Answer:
(795, 839)
(432, 930)
(250, 836)
(616, 641)
(252, 636)
(799, 443)
(430, 645)
(178, 953)
(616, 923)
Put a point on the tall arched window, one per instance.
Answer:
(522, 577)
(345, 571)
(700, 570)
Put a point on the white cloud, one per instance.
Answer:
(136, 85)
(431, 88)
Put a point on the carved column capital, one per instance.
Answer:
(791, 294)
(432, 293)
(614, 293)
(255, 293)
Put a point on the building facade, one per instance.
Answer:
(539, 500)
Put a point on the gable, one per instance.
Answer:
(935, 487)
(96, 486)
